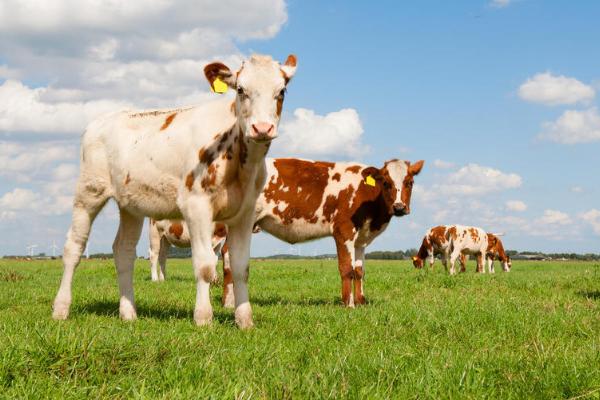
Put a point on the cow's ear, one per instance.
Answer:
(220, 71)
(415, 168)
(373, 172)
(289, 67)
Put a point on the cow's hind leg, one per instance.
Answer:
(130, 228)
(162, 258)
(155, 248)
(228, 300)
(359, 272)
(88, 202)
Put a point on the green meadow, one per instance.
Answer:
(530, 333)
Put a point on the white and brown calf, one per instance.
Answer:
(467, 241)
(436, 242)
(305, 200)
(495, 250)
(204, 164)
(166, 233)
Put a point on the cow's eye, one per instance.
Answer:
(387, 185)
(240, 91)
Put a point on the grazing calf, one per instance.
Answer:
(203, 164)
(436, 242)
(305, 200)
(495, 250)
(467, 240)
(166, 233)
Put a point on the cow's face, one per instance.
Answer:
(417, 262)
(402, 175)
(260, 86)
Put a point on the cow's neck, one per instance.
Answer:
(250, 156)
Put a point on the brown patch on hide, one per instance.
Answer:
(176, 229)
(304, 183)
(189, 180)
(354, 169)
(168, 121)
(336, 177)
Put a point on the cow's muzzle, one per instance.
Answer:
(400, 209)
(263, 132)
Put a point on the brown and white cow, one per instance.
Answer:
(467, 241)
(495, 250)
(305, 200)
(436, 243)
(203, 164)
(166, 233)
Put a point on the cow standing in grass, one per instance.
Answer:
(203, 164)
(467, 241)
(495, 250)
(166, 233)
(305, 200)
(436, 243)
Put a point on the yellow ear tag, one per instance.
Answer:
(219, 86)
(369, 180)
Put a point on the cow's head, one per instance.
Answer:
(507, 265)
(399, 183)
(260, 85)
(417, 262)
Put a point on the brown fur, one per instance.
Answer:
(176, 229)
(168, 121)
(189, 180)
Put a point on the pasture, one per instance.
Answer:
(532, 333)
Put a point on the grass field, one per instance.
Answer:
(532, 333)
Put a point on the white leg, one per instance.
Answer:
(130, 228)
(238, 242)
(453, 257)
(431, 258)
(84, 212)
(490, 262)
(155, 242)
(162, 258)
(198, 216)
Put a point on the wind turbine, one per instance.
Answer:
(53, 247)
(30, 249)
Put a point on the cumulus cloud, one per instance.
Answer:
(443, 164)
(474, 179)
(22, 109)
(554, 217)
(573, 127)
(592, 217)
(23, 161)
(552, 90)
(515, 205)
(337, 133)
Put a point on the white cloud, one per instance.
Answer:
(516, 205)
(443, 164)
(500, 3)
(550, 89)
(592, 217)
(21, 109)
(22, 161)
(554, 217)
(474, 179)
(573, 127)
(309, 134)
(577, 189)
(19, 199)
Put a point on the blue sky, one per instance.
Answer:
(440, 81)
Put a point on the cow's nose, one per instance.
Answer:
(262, 128)
(400, 209)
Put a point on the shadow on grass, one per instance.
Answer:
(590, 294)
(172, 278)
(278, 300)
(111, 309)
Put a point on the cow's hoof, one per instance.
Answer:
(203, 317)
(360, 300)
(243, 316)
(60, 312)
(127, 311)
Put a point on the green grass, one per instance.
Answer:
(532, 333)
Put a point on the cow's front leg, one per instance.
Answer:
(345, 251)
(453, 257)
(359, 273)
(130, 228)
(431, 259)
(238, 243)
(162, 258)
(490, 263)
(481, 263)
(197, 212)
